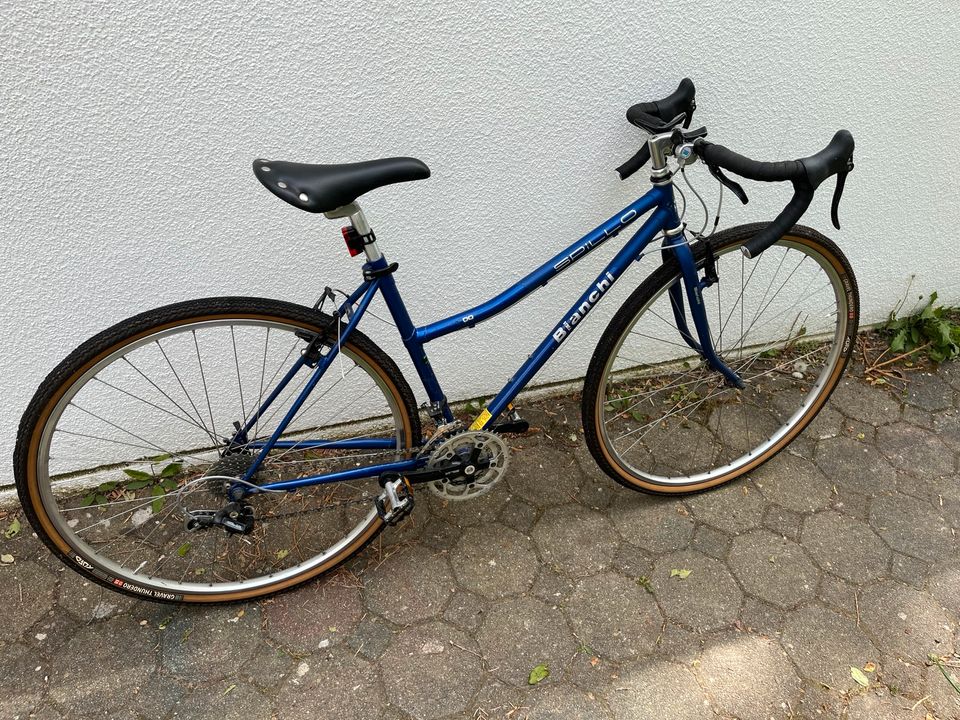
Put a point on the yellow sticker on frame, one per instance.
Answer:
(481, 420)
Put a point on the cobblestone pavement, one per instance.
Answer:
(841, 553)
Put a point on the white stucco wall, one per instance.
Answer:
(128, 129)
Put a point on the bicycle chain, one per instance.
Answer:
(339, 503)
(442, 433)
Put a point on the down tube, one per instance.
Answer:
(615, 268)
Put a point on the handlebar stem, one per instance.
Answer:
(660, 147)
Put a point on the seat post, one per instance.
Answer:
(360, 224)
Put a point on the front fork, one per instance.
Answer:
(694, 285)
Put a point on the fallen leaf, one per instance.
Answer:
(539, 673)
(281, 554)
(6, 559)
(857, 675)
(869, 667)
(13, 529)
(682, 574)
(183, 550)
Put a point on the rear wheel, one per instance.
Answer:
(658, 419)
(128, 435)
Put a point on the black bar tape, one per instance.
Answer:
(745, 167)
(634, 163)
(781, 224)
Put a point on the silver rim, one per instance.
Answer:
(780, 321)
(181, 404)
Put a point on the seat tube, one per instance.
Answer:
(377, 264)
(391, 295)
(414, 347)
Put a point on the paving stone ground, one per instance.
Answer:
(842, 553)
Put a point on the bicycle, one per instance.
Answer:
(227, 448)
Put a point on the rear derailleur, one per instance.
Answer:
(236, 518)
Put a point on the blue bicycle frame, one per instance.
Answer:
(379, 278)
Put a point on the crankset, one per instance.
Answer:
(465, 465)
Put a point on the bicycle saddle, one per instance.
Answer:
(321, 188)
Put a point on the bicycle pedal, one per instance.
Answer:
(398, 494)
(512, 424)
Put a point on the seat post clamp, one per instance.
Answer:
(370, 274)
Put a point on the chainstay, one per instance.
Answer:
(338, 503)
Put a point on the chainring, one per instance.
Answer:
(491, 454)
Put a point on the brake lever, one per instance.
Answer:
(734, 186)
(838, 191)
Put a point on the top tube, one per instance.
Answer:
(554, 266)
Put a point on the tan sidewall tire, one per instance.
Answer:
(592, 408)
(107, 342)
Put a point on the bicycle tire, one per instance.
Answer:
(594, 398)
(124, 334)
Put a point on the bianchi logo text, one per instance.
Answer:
(566, 327)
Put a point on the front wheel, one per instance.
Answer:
(658, 419)
(134, 436)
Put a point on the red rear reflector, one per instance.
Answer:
(348, 237)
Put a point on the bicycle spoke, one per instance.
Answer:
(263, 372)
(144, 376)
(189, 421)
(157, 406)
(206, 392)
(150, 445)
(236, 362)
(182, 387)
(738, 302)
(683, 424)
